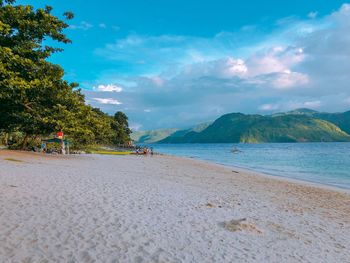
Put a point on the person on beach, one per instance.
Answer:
(43, 147)
(145, 150)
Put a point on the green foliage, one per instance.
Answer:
(237, 127)
(121, 128)
(34, 98)
(342, 120)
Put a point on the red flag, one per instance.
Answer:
(60, 135)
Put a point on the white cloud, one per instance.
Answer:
(278, 59)
(102, 25)
(107, 101)
(166, 51)
(83, 25)
(158, 81)
(288, 79)
(234, 67)
(345, 8)
(312, 15)
(312, 104)
(225, 68)
(269, 107)
(290, 105)
(108, 88)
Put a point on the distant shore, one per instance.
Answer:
(149, 209)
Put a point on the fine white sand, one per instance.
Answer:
(162, 209)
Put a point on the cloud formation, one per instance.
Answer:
(188, 79)
(107, 101)
(290, 105)
(83, 25)
(108, 88)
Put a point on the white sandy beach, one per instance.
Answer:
(96, 208)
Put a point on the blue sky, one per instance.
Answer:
(179, 63)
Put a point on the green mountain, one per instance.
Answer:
(151, 136)
(197, 128)
(297, 126)
(301, 111)
(342, 120)
(158, 135)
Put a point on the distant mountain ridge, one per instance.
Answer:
(300, 125)
(341, 119)
(152, 136)
(301, 111)
(160, 134)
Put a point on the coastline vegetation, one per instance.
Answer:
(35, 100)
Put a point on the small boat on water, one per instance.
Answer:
(235, 150)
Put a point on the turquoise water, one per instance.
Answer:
(325, 163)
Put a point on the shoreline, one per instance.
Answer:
(208, 162)
(268, 175)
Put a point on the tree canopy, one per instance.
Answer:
(34, 97)
(121, 128)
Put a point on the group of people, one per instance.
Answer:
(144, 150)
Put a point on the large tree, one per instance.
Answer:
(121, 128)
(31, 88)
(34, 98)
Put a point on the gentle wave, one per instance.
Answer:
(325, 163)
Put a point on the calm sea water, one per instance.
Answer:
(325, 163)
